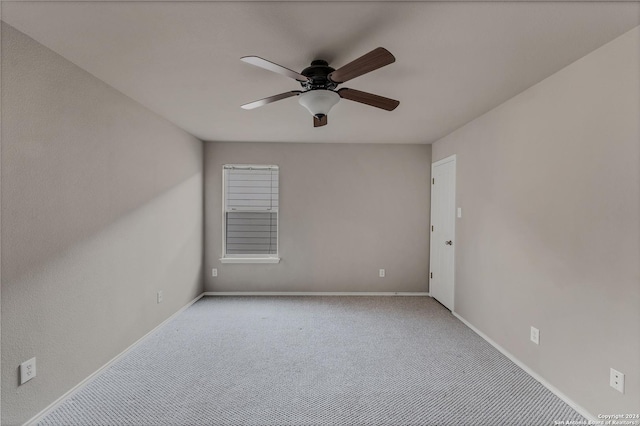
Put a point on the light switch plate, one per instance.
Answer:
(459, 212)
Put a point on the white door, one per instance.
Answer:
(443, 213)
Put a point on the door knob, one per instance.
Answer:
(449, 243)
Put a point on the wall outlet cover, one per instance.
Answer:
(382, 273)
(616, 380)
(214, 272)
(535, 335)
(160, 296)
(27, 370)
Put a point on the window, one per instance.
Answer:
(250, 229)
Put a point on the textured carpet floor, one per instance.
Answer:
(313, 361)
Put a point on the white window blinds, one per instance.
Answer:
(251, 210)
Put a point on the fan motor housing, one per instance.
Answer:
(318, 73)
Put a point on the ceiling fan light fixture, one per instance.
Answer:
(319, 82)
(318, 101)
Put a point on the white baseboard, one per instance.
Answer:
(583, 412)
(38, 417)
(314, 293)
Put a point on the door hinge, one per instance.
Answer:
(431, 228)
(430, 274)
(433, 181)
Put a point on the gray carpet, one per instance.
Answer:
(313, 361)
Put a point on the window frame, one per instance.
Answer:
(248, 258)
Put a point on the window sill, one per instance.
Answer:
(250, 260)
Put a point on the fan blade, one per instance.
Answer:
(319, 122)
(270, 99)
(369, 99)
(263, 63)
(373, 60)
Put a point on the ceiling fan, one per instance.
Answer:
(319, 82)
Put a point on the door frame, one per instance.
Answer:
(451, 158)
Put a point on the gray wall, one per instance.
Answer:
(101, 207)
(346, 211)
(549, 184)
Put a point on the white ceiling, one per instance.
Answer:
(455, 60)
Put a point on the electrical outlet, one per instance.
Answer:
(535, 335)
(459, 213)
(214, 272)
(616, 380)
(160, 296)
(382, 273)
(27, 370)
